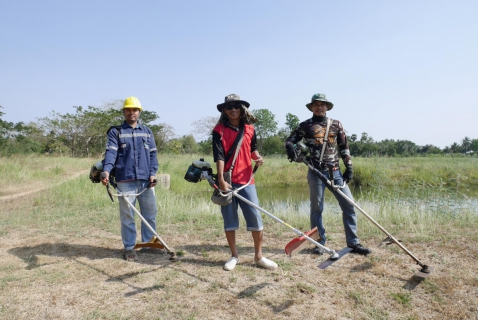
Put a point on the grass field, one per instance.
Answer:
(60, 249)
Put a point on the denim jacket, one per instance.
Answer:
(133, 153)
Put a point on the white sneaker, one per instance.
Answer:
(266, 263)
(231, 263)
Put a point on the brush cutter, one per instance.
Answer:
(297, 244)
(156, 241)
(301, 157)
(201, 170)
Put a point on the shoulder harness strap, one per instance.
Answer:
(118, 128)
(326, 138)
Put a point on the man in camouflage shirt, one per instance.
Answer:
(313, 132)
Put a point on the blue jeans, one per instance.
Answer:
(148, 209)
(251, 215)
(349, 219)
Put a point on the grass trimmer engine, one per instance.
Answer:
(196, 169)
(301, 151)
(95, 172)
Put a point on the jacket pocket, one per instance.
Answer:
(122, 144)
(146, 143)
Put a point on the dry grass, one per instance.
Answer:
(24, 174)
(49, 275)
(62, 260)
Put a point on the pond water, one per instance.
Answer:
(429, 198)
(298, 194)
(420, 196)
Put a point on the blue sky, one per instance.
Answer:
(403, 70)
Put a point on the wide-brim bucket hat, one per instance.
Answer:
(319, 97)
(232, 98)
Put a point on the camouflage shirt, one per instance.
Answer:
(313, 133)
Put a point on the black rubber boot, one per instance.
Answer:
(318, 251)
(359, 249)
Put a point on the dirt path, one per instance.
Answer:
(43, 187)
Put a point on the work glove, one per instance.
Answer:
(291, 155)
(348, 174)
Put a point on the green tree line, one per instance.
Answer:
(82, 133)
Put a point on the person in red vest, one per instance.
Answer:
(237, 120)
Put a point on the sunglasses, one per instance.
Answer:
(231, 106)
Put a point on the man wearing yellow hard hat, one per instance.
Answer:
(131, 152)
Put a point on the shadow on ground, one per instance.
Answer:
(196, 254)
(62, 250)
(29, 254)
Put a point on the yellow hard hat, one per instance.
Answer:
(132, 102)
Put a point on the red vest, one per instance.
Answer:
(242, 168)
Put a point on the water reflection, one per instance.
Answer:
(299, 194)
(289, 194)
(423, 197)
